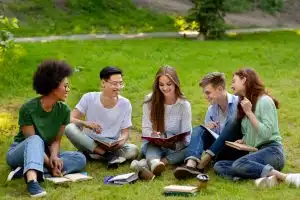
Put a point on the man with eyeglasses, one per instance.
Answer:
(108, 116)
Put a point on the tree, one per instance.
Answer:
(209, 14)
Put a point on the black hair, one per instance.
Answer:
(106, 72)
(49, 74)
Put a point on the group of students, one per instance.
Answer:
(249, 116)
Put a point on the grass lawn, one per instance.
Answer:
(43, 17)
(274, 55)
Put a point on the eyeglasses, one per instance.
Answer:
(116, 84)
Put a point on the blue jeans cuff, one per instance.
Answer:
(266, 170)
(210, 152)
(34, 166)
(192, 158)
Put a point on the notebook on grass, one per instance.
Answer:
(182, 190)
(69, 178)
(241, 147)
(123, 178)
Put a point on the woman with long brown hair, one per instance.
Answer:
(165, 112)
(257, 111)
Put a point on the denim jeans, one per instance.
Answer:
(201, 140)
(150, 151)
(29, 154)
(253, 165)
(86, 144)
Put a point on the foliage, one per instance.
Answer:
(209, 14)
(6, 37)
(182, 24)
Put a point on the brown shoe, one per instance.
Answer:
(185, 172)
(146, 174)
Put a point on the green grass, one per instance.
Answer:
(273, 55)
(42, 17)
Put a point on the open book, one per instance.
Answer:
(180, 190)
(104, 142)
(171, 139)
(124, 178)
(241, 147)
(69, 178)
(215, 135)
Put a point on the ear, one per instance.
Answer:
(244, 79)
(102, 84)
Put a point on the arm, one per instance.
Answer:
(76, 117)
(268, 119)
(146, 122)
(56, 164)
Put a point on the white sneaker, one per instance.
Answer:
(137, 165)
(157, 167)
(293, 179)
(266, 182)
(13, 173)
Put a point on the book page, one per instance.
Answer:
(77, 177)
(58, 179)
(122, 177)
(215, 135)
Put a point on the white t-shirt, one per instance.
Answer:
(112, 120)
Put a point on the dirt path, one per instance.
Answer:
(290, 17)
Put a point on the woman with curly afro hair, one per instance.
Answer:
(42, 121)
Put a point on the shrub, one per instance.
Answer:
(209, 14)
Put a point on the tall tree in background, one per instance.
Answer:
(210, 16)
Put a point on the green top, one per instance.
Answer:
(46, 124)
(268, 131)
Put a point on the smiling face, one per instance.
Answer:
(62, 91)
(166, 86)
(238, 85)
(113, 85)
(212, 94)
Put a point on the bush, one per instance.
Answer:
(9, 51)
(271, 6)
(209, 14)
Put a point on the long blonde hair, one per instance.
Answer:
(157, 99)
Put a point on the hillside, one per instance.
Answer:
(289, 17)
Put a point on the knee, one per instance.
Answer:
(36, 139)
(80, 160)
(70, 130)
(218, 167)
(133, 152)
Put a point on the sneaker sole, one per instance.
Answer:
(42, 194)
(183, 173)
(12, 173)
(159, 169)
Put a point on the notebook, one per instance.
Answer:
(104, 142)
(241, 147)
(69, 178)
(215, 135)
(180, 190)
(124, 178)
(170, 139)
